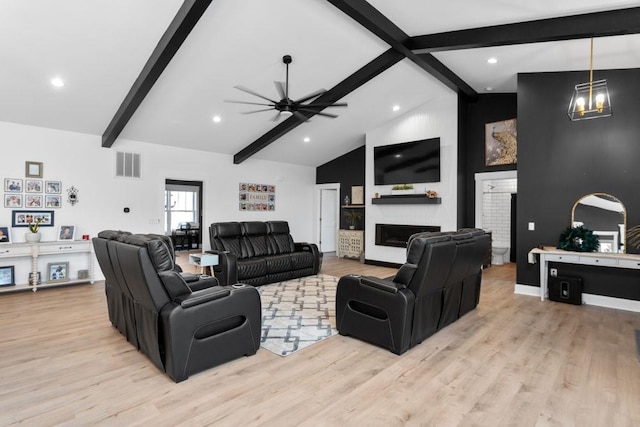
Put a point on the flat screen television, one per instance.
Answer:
(407, 163)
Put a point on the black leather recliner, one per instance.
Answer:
(439, 283)
(257, 253)
(181, 330)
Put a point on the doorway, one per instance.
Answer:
(183, 213)
(327, 216)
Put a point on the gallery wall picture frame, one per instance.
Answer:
(357, 195)
(66, 232)
(501, 143)
(52, 201)
(13, 200)
(35, 280)
(7, 276)
(33, 186)
(58, 272)
(13, 185)
(22, 218)
(53, 187)
(33, 169)
(5, 235)
(33, 201)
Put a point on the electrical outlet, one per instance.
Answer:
(553, 272)
(532, 226)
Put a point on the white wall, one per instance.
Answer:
(438, 118)
(79, 160)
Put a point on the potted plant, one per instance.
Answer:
(402, 189)
(34, 228)
(352, 216)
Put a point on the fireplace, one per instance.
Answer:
(398, 235)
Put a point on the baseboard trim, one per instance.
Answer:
(589, 299)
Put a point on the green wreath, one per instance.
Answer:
(579, 239)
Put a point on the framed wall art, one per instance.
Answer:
(52, 201)
(26, 217)
(33, 201)
(257, 197)
(66, 232)
(501, 143)
(5, 235)
(53, 187)
(33, 169)
(7, 276)
(13, 185)
(13, 200)
(33, 186)
(57, 272)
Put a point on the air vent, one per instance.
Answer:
(127, 165)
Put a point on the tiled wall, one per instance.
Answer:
(496, 208)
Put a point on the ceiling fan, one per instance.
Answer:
(287, 107)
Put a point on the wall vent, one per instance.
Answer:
(127, 165)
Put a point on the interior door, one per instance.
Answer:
(328, 215)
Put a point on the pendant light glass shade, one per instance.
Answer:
(590, 100)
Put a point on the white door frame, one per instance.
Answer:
(487, 176)
(316, 219)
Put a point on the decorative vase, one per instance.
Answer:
(402, 192)
(32, 237)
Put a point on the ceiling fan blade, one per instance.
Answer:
(249, 103)
(281, 90)
(325, 105)
(311, 95)
(257, 111)
(244, 89)
(319, 113)
(301, 116)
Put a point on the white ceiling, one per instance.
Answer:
(100, 46)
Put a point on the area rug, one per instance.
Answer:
(298, 313)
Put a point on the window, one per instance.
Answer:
(181, 205)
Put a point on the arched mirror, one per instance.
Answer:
(606, 216)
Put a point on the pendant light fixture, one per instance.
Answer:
(590, 100)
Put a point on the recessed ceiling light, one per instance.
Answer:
(57, 82)
(492, 61)
(396, 108)
(306, 139)
(217, 119)
(488, 89)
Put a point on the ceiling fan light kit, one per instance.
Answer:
(590, 100)
(287, 107)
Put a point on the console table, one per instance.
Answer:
(552, 254)
(49, 251)
(350, 243)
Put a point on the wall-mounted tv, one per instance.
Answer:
(409, 162)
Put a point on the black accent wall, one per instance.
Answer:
(559, 161)
(347, 170)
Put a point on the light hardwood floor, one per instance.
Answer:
(514, 361)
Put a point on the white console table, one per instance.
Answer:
(50, 252)
(551, 254)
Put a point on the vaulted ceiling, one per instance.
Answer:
(169, 82)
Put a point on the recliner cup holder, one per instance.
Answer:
(238, 285)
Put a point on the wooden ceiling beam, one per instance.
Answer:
(598, 24)
(185, 20)
(348, 85)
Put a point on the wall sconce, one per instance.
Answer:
(590, 100)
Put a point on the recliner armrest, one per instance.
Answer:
(383, 285)
(200, 297)
(227, 268)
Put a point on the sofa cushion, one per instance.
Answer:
(159, 252)
(300, 260)
(280, 239)
(254, 239)
(278, 263)
(225, 236)
(251, 267)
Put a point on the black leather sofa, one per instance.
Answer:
(183, 328)
(439, 283)
(257, 253)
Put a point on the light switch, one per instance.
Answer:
(532, 226)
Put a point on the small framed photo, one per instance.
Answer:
(26, 217)
(33, 186)
(66, 232)
(52, 187)
(7, 276)
(35, 280)
(33, 201)
(33, 169)
(5, 235)
(13, 200)
(57, 272)
(52, 201)
(13, 185)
